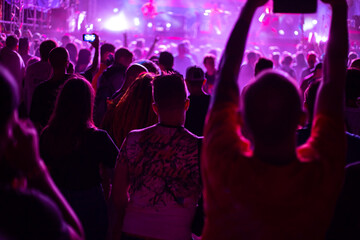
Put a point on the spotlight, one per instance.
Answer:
(168, 25)
(136, 21)
(296, 33)
(281, 32)
(117, 23)
(99, 19)
(149, 25)
(314, 22)
(115, 10)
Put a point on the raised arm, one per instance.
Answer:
(330, 100)
(226, 87)
(95, 62)
(152, 48)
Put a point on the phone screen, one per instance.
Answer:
(89, 37)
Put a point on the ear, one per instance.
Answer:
(187, 104)
(155, 108)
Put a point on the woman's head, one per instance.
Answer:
(74, 104)
(134, 110)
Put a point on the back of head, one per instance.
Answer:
(11, 42)
(169, 92)
(352, 89)
(300, 59)
(150, 66)
(136, 105)
(276, 56)
(287, 60)
(251, 57)
(356, 63)
(73, 109)
(72, 49)
(106, 47)
(45, 49)
(263, 64)
(271, 108)
(194, 78)
(311, 59)
(182, 48)
(84, 56)
(209, 59)
(134, 70)
(59, 57)
(123, 53)
(167, 60)
(23, 44)
(9, 98)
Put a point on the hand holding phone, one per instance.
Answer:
(89, 37)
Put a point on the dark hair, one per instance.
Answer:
(84, 56)
(209, 57)
(9, 97)
(45, 49)
(167, 60)
(150, 66)
(263, 64)
(23, 44)
(73, 52)
(106, 47)
(136, 105)
(169, 91)
(58, 57)
(352, 84)
(72, 114)
(271, 107)
(123, 52)
(11, 41)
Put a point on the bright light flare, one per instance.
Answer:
(281, 32)
(115, 10)
(136, 21)
(261, 18)
(296, 33)
(117, 23)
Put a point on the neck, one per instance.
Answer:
(59, 73)
(280, 154)
(174, 118)
(197, 92)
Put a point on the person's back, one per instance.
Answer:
(44, 97)
(12, 61)
(270, 189)
(199, 101)
(110, 81)
(183, 60)
(31, 206)
(352, 110)
(37, 72)
(79, 156)
(160, 164)
(134, 110)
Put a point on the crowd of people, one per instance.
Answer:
(119, 141)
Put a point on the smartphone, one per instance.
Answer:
(89, 37)
(295, 6)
